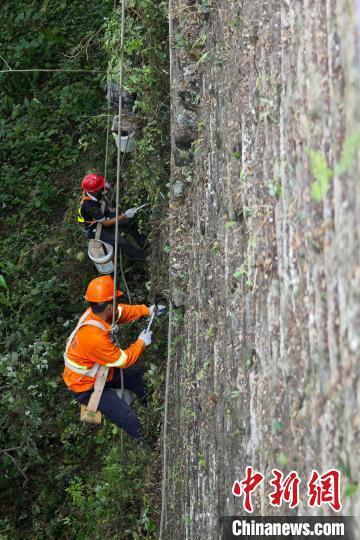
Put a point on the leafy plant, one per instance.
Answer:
(351, 146)
(282, 459)
(277, 426)
(274, 187)
(321, 172)
(229, 225)
(240, 273)
(63, 478)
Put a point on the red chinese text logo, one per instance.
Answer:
(325, 489)
(321, 489)
(247, 486)
(286, 490)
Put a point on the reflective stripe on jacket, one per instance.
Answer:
(90, 345)
(84, 370)
(74, 366)
(80, 216)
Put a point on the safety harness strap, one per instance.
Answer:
(80, 217)
(74, 366)
(99, 225)
(82, 220)
(81, 371)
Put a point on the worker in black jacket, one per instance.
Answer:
(90, 214)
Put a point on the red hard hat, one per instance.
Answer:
(101, 289)
(93, 183)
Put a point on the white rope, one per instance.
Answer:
(51, 70)
(167, 383)
(103, 202)
(164, 465)
(121, 165)
(122, 397)
(124, 280)
(122, 33)
(107, 141)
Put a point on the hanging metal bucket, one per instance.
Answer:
(101, 255)
(127, 135)
(127, 142)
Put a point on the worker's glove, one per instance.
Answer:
(159, 309)
(131, 212)
(146, 337)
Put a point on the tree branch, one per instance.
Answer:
(52, 70)
(6, 452)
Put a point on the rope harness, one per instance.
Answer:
(77, 368)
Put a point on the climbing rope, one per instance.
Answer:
(103, 202)
(118, 166)
(107, 140)
(121, 168)
(164, 465)
(122, 33)
(42, 70)
(124, 280)
(167, 383)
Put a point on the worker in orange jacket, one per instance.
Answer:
(90, 345)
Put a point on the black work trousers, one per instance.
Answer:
(108, 235)
(115, 408)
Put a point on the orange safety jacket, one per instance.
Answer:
(90, 345)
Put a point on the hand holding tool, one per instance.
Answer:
(146, 337)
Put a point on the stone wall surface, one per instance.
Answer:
(264, 253)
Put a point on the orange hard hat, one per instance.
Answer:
(101, 289)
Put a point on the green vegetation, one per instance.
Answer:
(321, 171)
(277, 426)
(274, 187)
(348, 154)
(61, 478)
(240, 273)
(282, 459)
(350, 486)
(322, 174)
